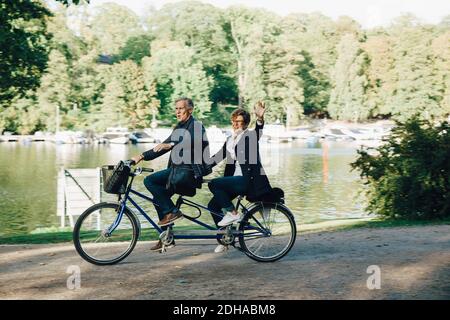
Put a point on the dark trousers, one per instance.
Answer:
(156, 184)
(224, 190)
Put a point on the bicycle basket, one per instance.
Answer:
(115, 178)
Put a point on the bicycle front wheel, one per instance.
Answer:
(267, 232)
(103, 236)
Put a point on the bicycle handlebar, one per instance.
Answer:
(132, 163)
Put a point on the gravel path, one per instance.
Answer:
(414, 264)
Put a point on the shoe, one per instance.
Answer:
(158, 246)
(229, 218)
(220, 248)
(169, 218)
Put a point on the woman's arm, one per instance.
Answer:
(260, 109)
(218, 157)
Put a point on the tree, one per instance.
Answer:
(408, 175)
(113, 25)
(136, 48)
(248, 31)
(283, 84)
(54, 95)
(201, 27)
(23, 39)
(178, 73)
(348, 99)
(126, 100)
(417, 86)
(381, 77)
(441, 55)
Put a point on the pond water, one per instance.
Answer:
(316, 179)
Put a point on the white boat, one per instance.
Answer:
(9, 137)
(300, 133)
(336, 134)
(277, 133)
(141, 137)
(117, 135)
(63, 137)
(159, 134)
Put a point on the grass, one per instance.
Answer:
(150, 234)
(66, 236)
(349, 224)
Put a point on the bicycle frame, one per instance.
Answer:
(180, 201)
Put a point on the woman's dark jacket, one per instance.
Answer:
(247, 154)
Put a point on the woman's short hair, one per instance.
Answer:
(243, 113)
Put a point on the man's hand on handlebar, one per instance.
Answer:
(137, 159)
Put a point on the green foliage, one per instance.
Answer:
(136, 48)
(417, 89)
(348, 99)
(23, 43)
(113, 25)
(409, 175)
(178, 73)
(109, 67)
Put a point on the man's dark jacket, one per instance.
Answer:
(199, 167)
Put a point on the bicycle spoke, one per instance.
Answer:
(269, 233)
(93, 245)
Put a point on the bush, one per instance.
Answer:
(408, 176)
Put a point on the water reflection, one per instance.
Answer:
(316, 178)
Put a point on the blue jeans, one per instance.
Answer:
(224, 190)
(156, 184)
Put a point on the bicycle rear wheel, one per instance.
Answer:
(101, 236)
(268, 232)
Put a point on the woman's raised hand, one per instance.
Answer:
(260, 109)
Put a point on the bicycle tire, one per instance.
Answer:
(245, 223)
(91, 210)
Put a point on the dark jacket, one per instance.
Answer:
(194, 130)
(247, 154)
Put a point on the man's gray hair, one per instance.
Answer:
(187, 101)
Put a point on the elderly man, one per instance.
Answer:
(188, 143)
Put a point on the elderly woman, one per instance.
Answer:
(244, 174)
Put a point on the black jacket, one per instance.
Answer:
(182, 144)
(247, 154)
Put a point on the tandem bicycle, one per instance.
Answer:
(107, 232)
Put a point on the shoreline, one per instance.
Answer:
(148, 234)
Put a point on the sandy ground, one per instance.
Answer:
(414, 264)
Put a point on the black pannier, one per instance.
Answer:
(115, 178)
(276, 195)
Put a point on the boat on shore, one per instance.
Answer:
(276, 133)
(116, 135)
(141, 137)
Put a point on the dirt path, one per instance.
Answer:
(414, 264)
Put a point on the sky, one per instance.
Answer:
(369, 13)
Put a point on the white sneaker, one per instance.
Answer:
(220, 248)
(229, 218)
